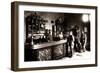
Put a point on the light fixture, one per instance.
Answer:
(85, 17)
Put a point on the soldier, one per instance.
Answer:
(70, 44)
(83, 40)
(76, 36)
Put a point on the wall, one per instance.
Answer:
(51, 17)
(5, 37)
(72, 19)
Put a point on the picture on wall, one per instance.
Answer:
(50, 36)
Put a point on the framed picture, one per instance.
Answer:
(52, 36)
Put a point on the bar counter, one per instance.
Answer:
(46, 51)
(48, 44)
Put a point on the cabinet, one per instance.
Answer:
(58, 29)
(35, 27)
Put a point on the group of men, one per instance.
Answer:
(76, 41)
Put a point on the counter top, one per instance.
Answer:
(52, 43)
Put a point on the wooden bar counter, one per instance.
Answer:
(50, 51)
(47, 51)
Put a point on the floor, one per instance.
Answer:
(79, 59)
(76, 55)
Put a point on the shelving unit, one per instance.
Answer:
(35, 26)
